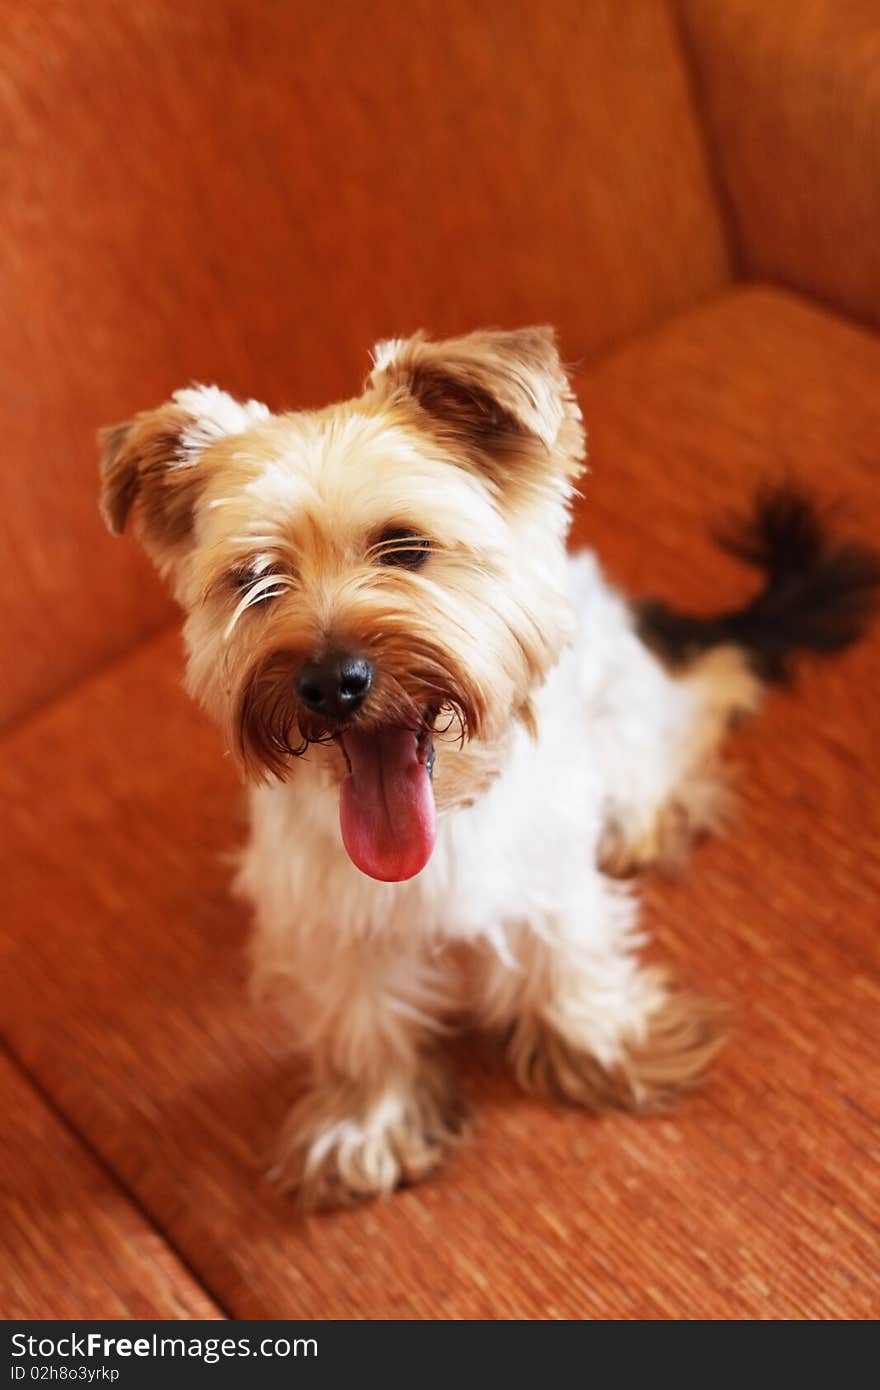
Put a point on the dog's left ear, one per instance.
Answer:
(154, 465)
(501, 400)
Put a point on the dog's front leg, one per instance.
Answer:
(381, 1110)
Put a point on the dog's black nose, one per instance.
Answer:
(336, 685)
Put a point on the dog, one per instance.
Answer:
(457, 738)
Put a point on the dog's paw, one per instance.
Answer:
(673, 1050)
(347, 1142)
(662, 839)
(663, 842)
(665, 1056)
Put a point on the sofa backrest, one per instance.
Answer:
(251, 193)
(790, 93)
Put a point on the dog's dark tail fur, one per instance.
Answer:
(819, 591)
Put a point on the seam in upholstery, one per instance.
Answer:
(111, 1175)
(20, 720)
(718, 184)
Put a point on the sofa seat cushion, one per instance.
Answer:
(75, 1245)
(124, 954)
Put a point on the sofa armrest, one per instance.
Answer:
(790, 92)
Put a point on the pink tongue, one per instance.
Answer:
(386, 806)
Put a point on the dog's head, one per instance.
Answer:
(371, 583)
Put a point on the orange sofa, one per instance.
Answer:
(252, 193)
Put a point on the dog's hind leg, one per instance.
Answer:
(661, 754)
(669, 787)
(582, 1020)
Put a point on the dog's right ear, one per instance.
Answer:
(155, 465)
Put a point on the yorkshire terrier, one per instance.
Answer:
(458, 738)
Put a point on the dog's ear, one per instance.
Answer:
(154, 464)
(501, 399)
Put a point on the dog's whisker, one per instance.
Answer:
(262, 590)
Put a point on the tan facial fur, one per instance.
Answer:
(271, 529)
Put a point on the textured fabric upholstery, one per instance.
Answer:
(791, 96)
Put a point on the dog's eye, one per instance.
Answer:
(407, 549)
(261, 581)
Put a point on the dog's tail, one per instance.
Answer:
(818, 595)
